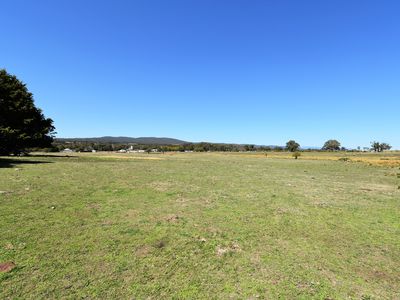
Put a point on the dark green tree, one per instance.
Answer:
(376, 146)
(379, 147)
(249, 147)
(292, 146)
(331, 145)
(22, 124)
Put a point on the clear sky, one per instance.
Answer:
(257, 72)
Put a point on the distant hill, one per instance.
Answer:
(126, 140)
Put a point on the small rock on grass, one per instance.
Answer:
(9, 246)
(7, 266)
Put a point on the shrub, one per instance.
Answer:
(344, 159)
(296, 155)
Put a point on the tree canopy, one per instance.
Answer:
(22, 124)
(379, 147)
(292, 146)
(331, 145)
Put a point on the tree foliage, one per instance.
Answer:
(22, 124)
(379, 147)
(292, 146)
(331, 145)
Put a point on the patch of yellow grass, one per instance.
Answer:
(390, 159)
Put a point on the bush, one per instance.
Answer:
(296, 155)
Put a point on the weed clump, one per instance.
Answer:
(160, 244)
(344, 159)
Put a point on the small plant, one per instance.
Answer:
(296, 155)
(344, 159)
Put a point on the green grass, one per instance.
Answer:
(207, 226)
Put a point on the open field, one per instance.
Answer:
(201, 225)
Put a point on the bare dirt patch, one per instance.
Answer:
(131, 213)
(172, 218)
(234, 247)
(377, 188)
(143, 251)
(94, 206)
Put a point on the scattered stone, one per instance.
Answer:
(235, 247)
(27, 189)
(222, 251)
(9, 246)
(3, 192)
(7, 266)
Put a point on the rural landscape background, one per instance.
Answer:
(200, 150)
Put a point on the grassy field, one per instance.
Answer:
(201, 226)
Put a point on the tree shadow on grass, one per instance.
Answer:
(50, 155)
(12, 162)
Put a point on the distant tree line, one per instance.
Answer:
(291, 146)
(379, 147)
(82, 146)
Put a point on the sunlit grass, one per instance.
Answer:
(200, 225)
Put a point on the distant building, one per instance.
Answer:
(67, 150)
(136, 151)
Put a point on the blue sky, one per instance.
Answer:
(257, 72)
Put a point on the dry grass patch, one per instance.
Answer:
(233, 247)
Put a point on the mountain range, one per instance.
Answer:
(126, 140)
